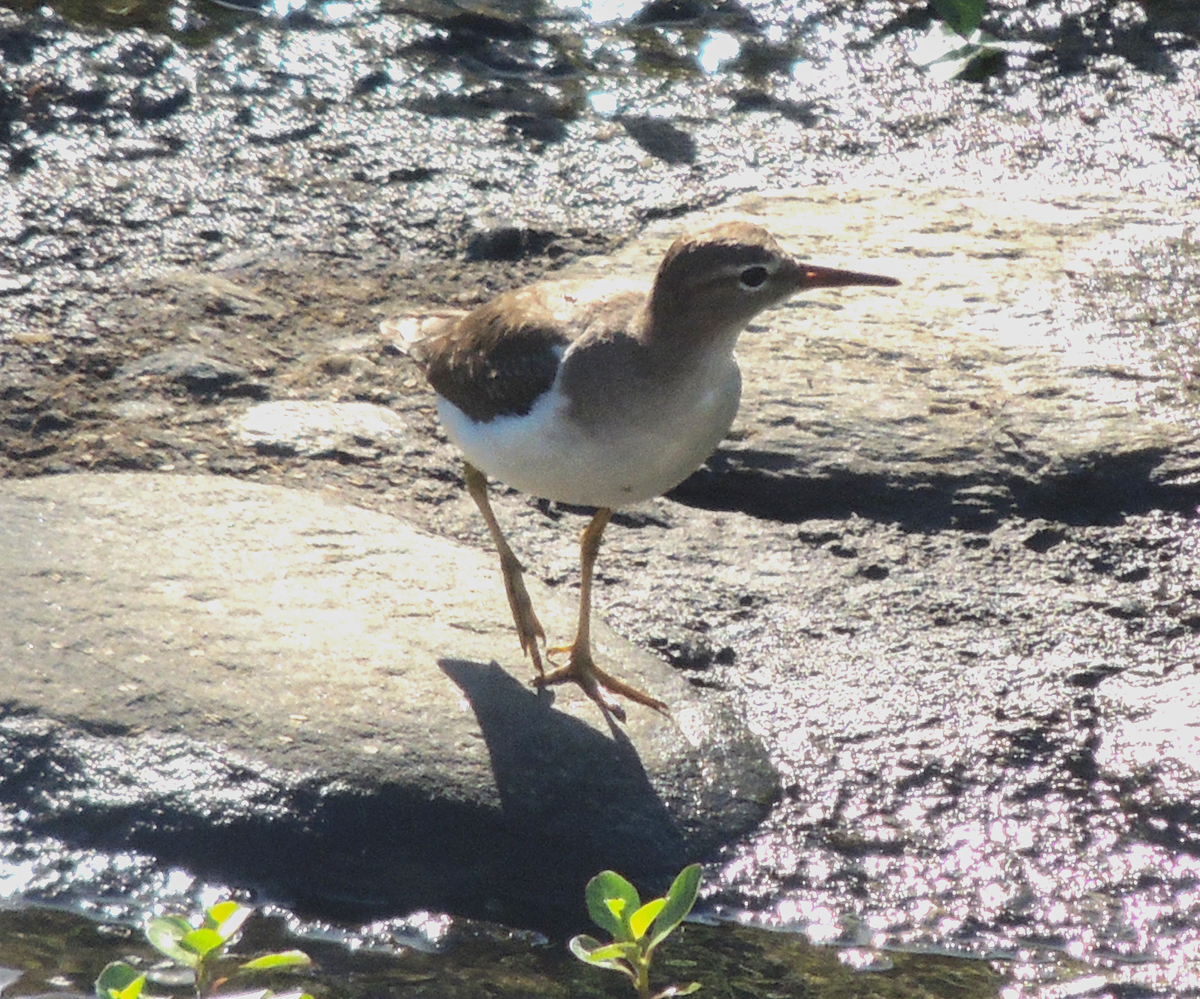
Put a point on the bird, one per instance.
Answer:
(603, 393)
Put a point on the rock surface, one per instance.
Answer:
(268, 685)
(354, 430)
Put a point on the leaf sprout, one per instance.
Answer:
(202, 949)
(636, 929)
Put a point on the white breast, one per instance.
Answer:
(641, 450)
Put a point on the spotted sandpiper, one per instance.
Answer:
(603, 394)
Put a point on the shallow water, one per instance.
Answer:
(56, 951)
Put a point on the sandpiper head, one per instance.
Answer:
(728, 273)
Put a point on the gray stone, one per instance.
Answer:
(142, 409)
(194, 370)
(269, 685)
(319, 429)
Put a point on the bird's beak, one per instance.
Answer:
(812, 276)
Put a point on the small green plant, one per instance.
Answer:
(200, 948)
(964, 16)
(956, 46)
(636, 929)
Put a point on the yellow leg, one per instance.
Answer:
(581, 667)
(529, 628)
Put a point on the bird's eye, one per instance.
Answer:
(753, 278)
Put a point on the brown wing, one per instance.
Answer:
(497, 360)
(489, 366)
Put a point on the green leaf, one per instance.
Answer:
(964, 16)
(256, 994)
(282, 959)
(678, 990)
(610, 901)
(584, 943)
(226, 918)
(640, 921)
(119, 981)
(608, 956)
(203, 941)
(166, 934)
(679, 901)
(946, 54)
(620, 951)
(942, 44)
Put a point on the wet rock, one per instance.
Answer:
(142, 409)
(410, 175)
(539, 129)
(143, 212)
(141, 58)
(50, 421)
(660, 138)
(372, 81)
(1044, 538)
(1156, 730)
(281, 131)
(153, 104)
(888, 701)
(14, 284)
(132, 149)
(224, 295)
(508, 243)
(693, 652)
(269, 687)
(321, 429)
(195, 371)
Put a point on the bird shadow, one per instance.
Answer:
(623, 518)
(1103, 489)
(565, 787)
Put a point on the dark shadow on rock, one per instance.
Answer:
(1100, 489)
(581, 801)
(632, 519)
(1147, 43)
(326, 847)
(804, 113)
(660, 138)
(331, 848)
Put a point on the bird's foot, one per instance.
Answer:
(581, 668)
(529, 629)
